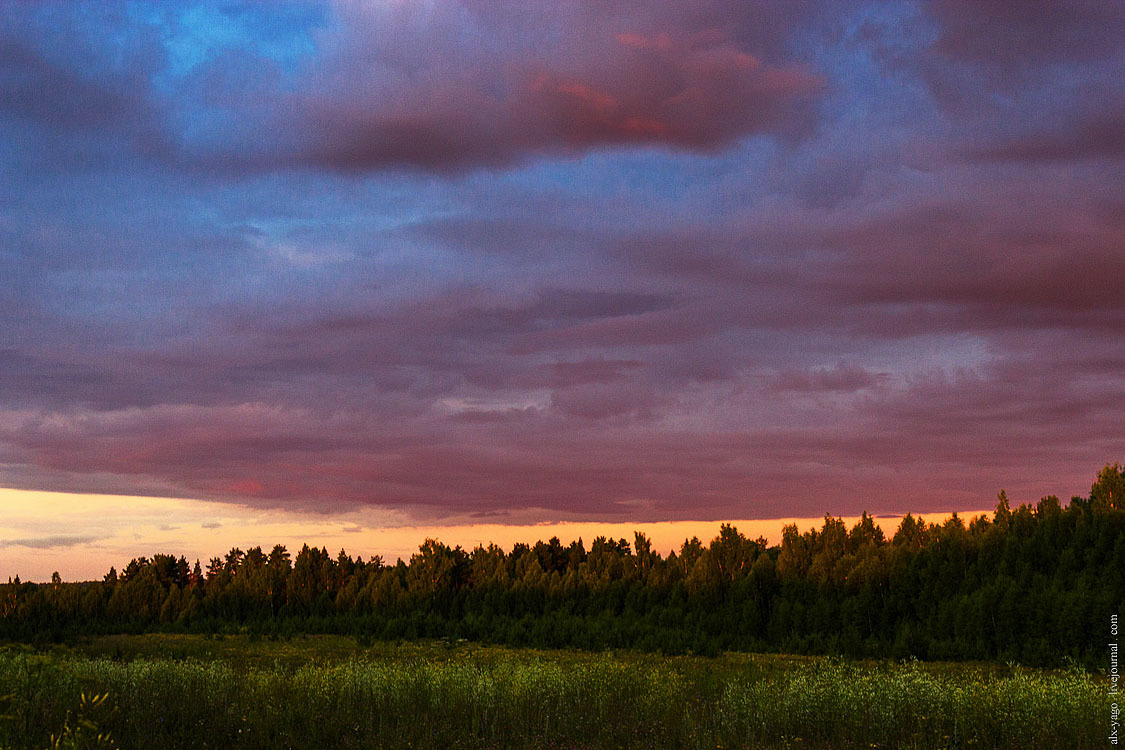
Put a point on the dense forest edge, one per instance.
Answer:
(1036, 585)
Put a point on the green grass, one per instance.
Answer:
(188, 692)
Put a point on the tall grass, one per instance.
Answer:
(498, 698)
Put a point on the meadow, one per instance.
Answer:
(180, 691)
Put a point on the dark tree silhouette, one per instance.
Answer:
(1035, 583)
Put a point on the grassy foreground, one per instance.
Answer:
(183, 692)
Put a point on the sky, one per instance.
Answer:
(104, 531)
(441, 264)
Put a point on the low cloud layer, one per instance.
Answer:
(531, 262)
(49, 542)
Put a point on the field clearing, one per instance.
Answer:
(330, 692)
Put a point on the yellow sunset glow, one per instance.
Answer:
(81, 536)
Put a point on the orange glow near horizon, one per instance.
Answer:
(82, 536)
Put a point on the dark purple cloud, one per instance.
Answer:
(1073, 136)
(441, 86)
(639, 261)
(588, 87)
(1013, 34)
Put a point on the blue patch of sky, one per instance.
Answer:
(256, 42)
(861, 88)
(195, 32)
(658, 182)
(281, 204)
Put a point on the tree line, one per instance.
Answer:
(1034, 584)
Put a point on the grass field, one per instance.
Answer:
(327, 692)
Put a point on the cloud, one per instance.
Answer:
(696, 93)
(1094, 134)
(570, 260)
(604, 400)
(1009, 34)
(79, 80)
(840, 378)
(440, 87)
(50, 542)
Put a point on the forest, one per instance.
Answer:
(1035, 585)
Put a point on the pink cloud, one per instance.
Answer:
(418, 95)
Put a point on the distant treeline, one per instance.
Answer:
(1035, 584)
